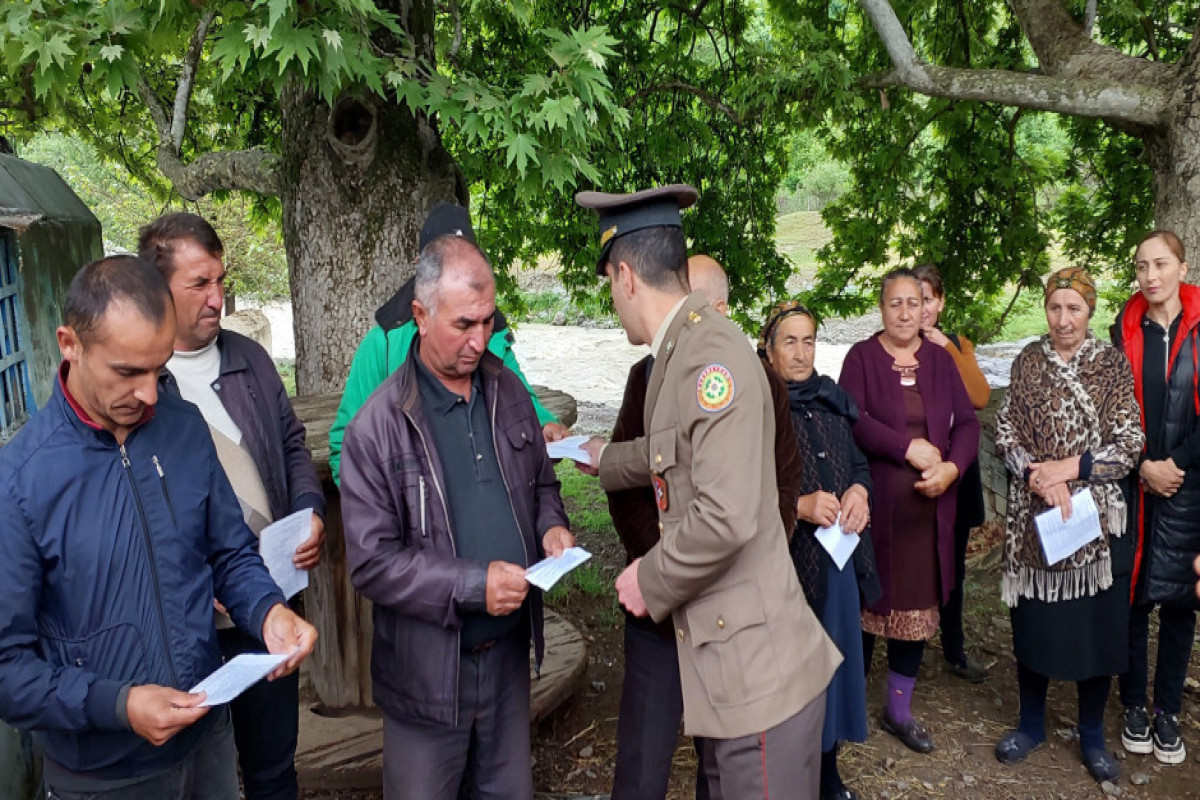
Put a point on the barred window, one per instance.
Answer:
(16, 395)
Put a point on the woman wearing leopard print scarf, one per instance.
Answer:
(1069, 422)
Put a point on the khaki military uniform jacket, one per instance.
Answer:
(751, 652)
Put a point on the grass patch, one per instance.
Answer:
(586, 502)
(287, 373)
(798, 237)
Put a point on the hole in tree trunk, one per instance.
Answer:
(352, 130)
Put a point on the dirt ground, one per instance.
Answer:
(575, 750)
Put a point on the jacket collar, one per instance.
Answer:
(233, 359)
(410, 393)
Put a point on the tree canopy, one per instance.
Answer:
(959, 155)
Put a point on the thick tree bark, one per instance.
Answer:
(1174, 155)
(356, 183)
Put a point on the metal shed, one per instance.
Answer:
(46, 235)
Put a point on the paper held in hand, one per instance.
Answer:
(238, 675)
(549, 571)
(1061, 539)
(277, 544)
(839, 544)
(570, 447)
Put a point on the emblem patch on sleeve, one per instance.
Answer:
(714, 388)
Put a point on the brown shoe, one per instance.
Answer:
(914, 735)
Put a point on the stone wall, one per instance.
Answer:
(994, 473)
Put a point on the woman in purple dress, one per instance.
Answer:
(919, 433)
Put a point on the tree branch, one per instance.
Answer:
(456, 43)
(905, 64)
(247, 170)
(1079, 83)
(187, 77)
(1109, 100)
(678, 86)
(1089, 18)
(1065, 49)
(155, 107)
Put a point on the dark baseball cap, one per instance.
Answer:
(446, 219)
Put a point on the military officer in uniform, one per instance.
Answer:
(754, 660)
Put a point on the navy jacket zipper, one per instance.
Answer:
(162, 622)
(162, 483)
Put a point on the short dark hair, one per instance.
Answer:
(114, 279)
(657, 254)
(928, 273)
(899, 273)
(158, 240)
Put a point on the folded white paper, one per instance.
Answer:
(1061, 539)
(839, 544)
(549, 571)
(570, 447)
(277, 544)
(238, 675)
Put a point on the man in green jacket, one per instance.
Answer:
(385, 346)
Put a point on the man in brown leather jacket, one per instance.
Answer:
(447, 496)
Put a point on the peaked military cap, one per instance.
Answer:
(625, 213)
(443, 219)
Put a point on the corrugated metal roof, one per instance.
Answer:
(31, 191)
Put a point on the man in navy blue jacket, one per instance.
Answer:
(119, 529)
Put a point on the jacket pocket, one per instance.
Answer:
(731, 645)
(117, 652)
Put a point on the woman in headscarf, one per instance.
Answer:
(1069, 423)
(835, 485)
(970, 512)
(1158, 331)
(918, 431)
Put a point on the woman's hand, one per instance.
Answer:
(1059, 496)
(1044, 475)
(819, 508)
(936, 336)
(856, 509)
(922, 455)
(1162, 478)
(937, 479)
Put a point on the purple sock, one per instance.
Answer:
(899, 697)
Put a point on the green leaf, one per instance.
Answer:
(277, 10)
(111, 52)
(521, 148)
(54, 52)
(258, 37)
(332, 38)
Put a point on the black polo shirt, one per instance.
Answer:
(481, 513)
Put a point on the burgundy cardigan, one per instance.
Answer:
(868, 376)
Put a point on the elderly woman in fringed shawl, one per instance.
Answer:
(1069, 422)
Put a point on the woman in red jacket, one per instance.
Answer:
(1158, 331)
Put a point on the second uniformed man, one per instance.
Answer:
(753, 659)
